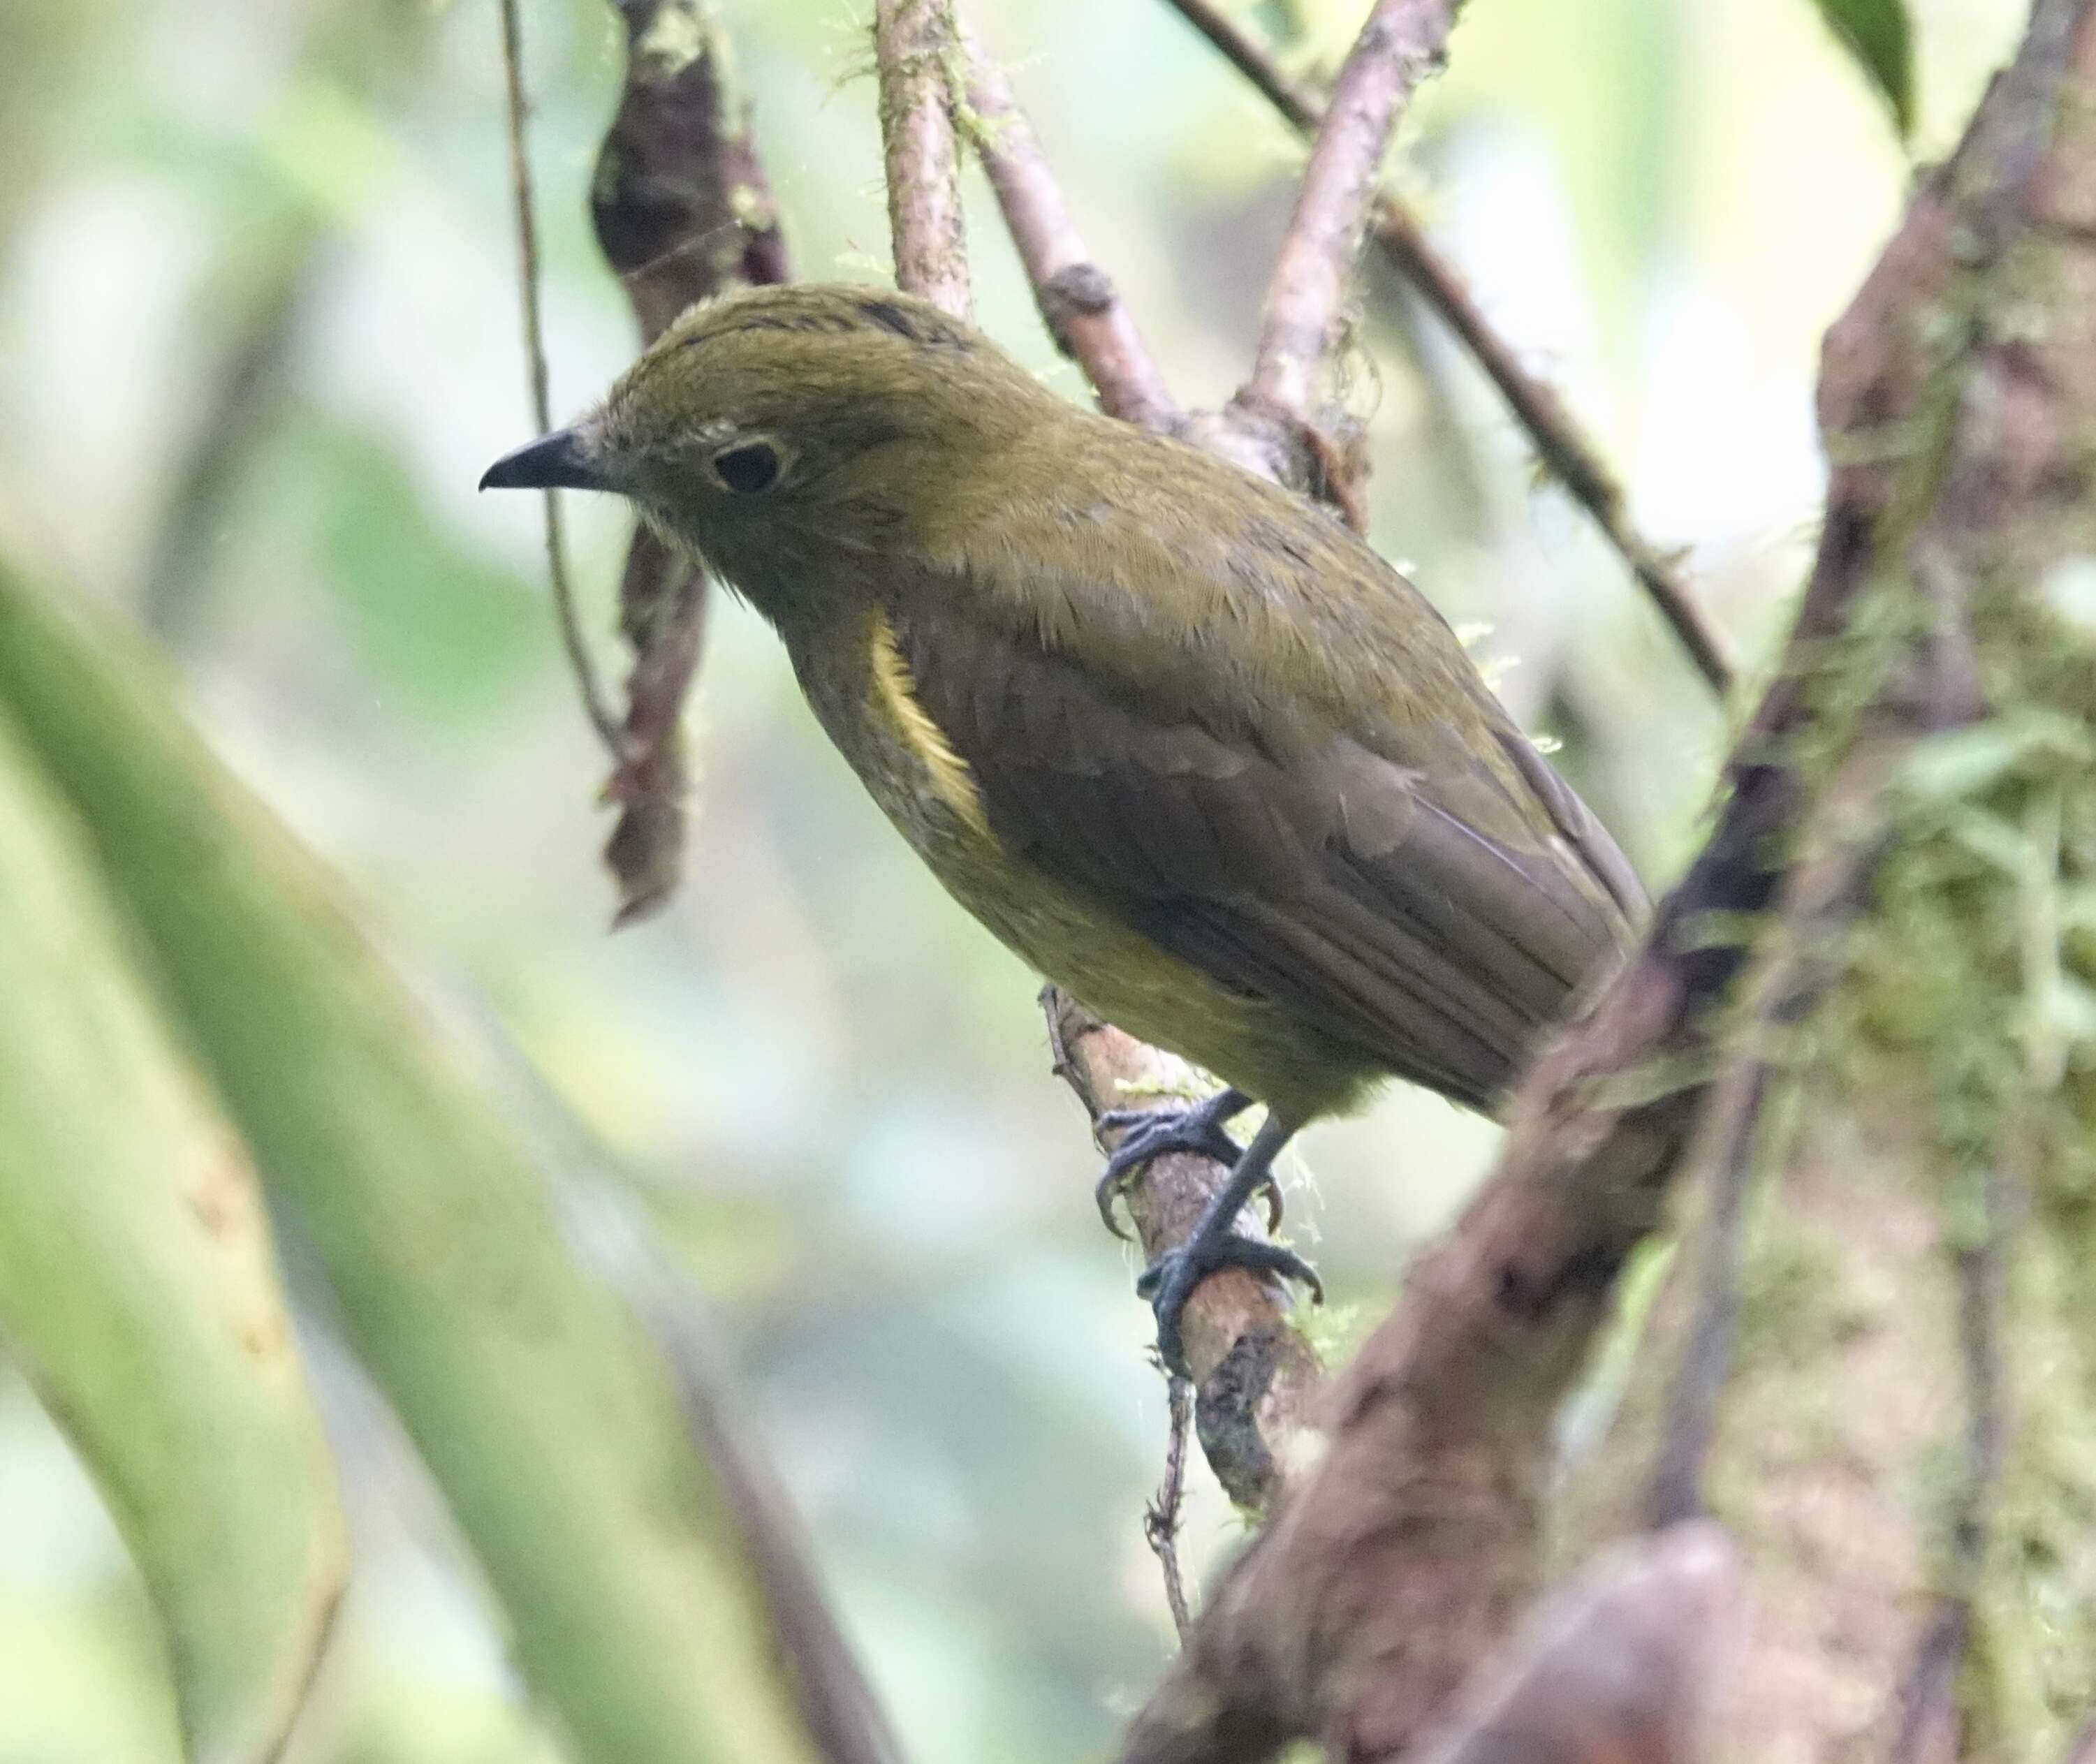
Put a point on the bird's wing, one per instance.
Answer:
(1402, 895)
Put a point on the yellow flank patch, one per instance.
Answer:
(897, 688)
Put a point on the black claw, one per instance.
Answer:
(1104, 1194)
(1169, 1282)
(1271, 1188)
(1149, 1133)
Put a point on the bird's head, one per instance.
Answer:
(844, 416)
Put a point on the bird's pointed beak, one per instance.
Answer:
(556, 460)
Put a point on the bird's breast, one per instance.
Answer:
(862, 692)
(860, 686)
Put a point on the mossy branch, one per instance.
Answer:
(1911, 1247)
(1958, 395)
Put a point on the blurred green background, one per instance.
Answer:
(258, 338)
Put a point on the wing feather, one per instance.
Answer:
(1409, 903)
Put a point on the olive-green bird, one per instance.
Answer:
(1182, 741)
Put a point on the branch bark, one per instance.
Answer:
(1402, 43)
(1079, 303)
(1913, 1248)
(916, 48)
(1255, 1377)
(1621, 1666)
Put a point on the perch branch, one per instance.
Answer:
(1079, 303)
(914, 46)
(681, 213)
(1571, 456)
(1255, 1375)
(1402, 1558)
(535, 355)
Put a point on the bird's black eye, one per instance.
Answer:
(746, 470)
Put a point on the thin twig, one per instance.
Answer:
(1570, 455)
(1927, 1697)
(1161, 1521)
(236, 412)
(1399, 46)
(913, 41)
(1304, 107)
(835, 1701)
(1082, 309)
(1804, 945)
(594, 703)
(1676, 1493)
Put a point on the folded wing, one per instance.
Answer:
(1427, 904)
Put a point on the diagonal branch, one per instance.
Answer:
(1401, 43)
(1927, 1698)
(1079, 303)
(1799, 956)
(1623, 1664)
(1571, 455)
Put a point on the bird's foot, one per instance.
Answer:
(1148, 1133)
(1168, 1282)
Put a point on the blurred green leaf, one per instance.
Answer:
(1963, 763)
(536, 1399)
(1877, 34)
(139, 1284)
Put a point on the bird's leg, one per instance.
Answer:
(1169, 1281)
(1197, 1127)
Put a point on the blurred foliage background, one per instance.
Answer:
(257, 340)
